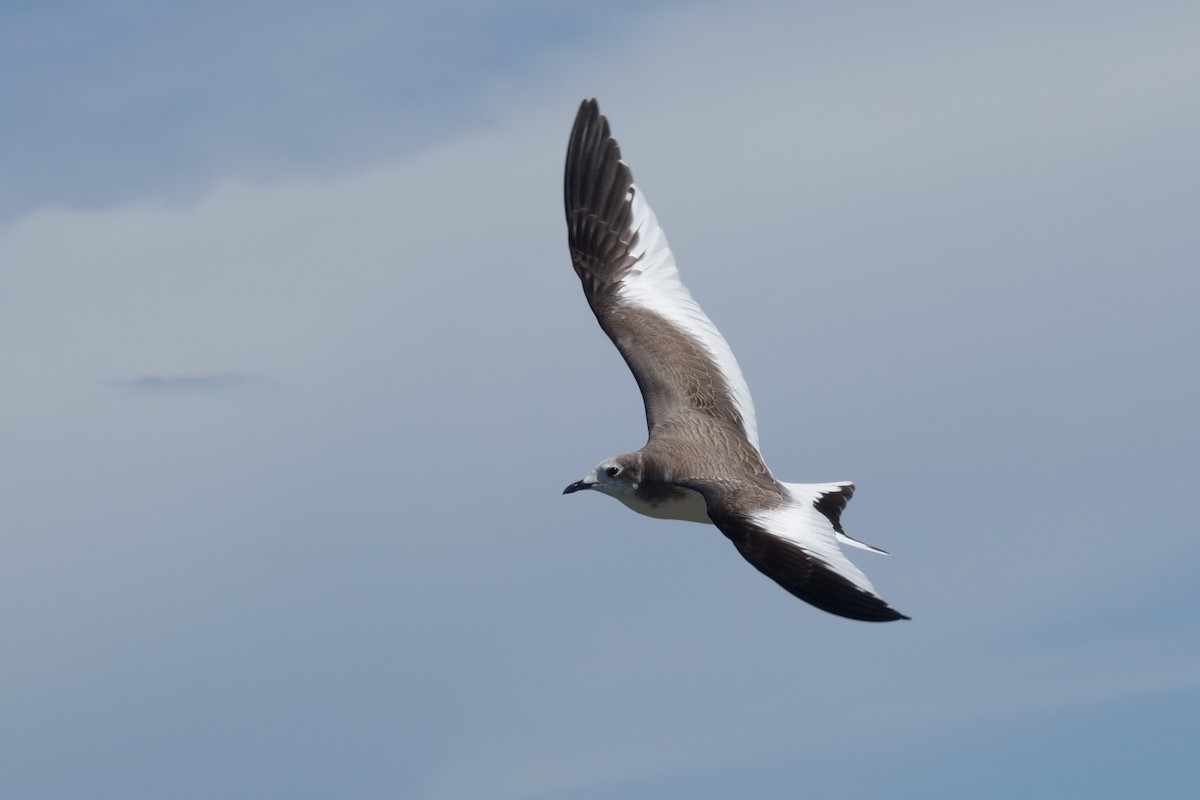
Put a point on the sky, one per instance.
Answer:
(296, 368)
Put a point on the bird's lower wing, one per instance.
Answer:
(795, 546)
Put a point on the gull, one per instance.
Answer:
(701, 462)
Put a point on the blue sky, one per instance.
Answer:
(297, 368)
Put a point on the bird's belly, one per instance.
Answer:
(683, 504)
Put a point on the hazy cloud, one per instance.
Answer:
(188, 384)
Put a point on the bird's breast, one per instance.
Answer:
(668, 502)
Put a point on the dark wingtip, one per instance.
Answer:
(865, 608)
(855, 604)
(888, 615)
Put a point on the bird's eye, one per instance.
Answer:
(612, 472)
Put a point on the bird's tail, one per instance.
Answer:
(830, 499)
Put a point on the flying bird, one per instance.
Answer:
(701, 462)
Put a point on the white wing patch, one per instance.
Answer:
(801, 524)
(654, 284)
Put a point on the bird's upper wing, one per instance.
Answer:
(681, 362)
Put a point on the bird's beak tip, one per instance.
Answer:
(575, 487)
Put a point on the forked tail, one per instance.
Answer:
(830, 499)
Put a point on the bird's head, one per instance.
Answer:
(618, 476)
